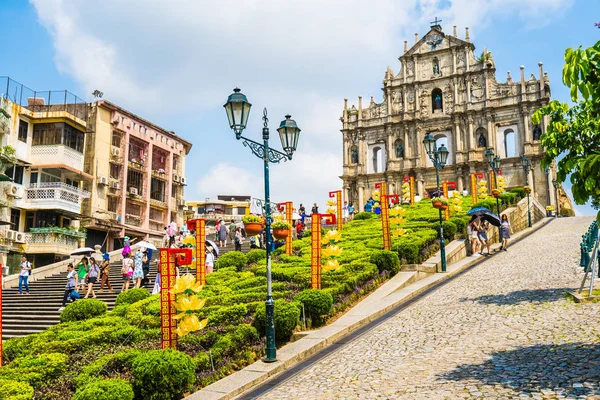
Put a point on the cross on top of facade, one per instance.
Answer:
(436, 22)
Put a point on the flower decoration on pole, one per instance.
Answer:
(385, 218)
(397, 219)
(406, 195)
(186, 290)
(482, 189)
(331, 252)
(456, 202)
(199, 226)
(288, 207)
(337, 194)
(501, 183)
(316, 244)
(445, 193)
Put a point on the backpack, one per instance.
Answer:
(126, 267)
(145, 258)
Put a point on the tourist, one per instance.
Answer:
(138, 270)
(104, 273)
(70, 287)
(126, 246)
(482, 236)
(253, 242)
(24, 274)
(92, 277)
(505, 232)
(82, 271)
(223, 231)
(350, 212)
(127, 271)
(345, 211)
(238, 239)
(299, 230)
(166, 238)
(474, 237)
(315, 209)
(210, 260)
(302, 213)
(146, 258)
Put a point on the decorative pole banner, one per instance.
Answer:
(169, 259)
(315, 255)
(492, 180)
(288, 206)
(445, 192)
(474, 188)
(199, 225)
(385, 221)
(412, 190)
(339, 216)
(0, 319)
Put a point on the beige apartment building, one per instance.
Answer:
(138, 171)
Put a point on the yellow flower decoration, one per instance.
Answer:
(399, 232)
(185, 282)
(189, 240)
(189, 324)
(398, 220)
(397, 211)
(188, 303)
(376, 195)
(332, 236)
(331, 251)
(278, 217)
(331, 210)
(331, 203)
(332, 265)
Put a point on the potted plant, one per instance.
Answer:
(527, 189)
(436, 202)
(252, 224)
(443, 204)
(496, 193)
(281, 229)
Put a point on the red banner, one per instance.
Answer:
(199, 225)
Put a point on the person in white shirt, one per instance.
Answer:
(210, 260)
(70, 285)
(24, 274)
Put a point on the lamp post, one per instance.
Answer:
(495, 164)
(526, 167)
(555, 184)
(438, 157)
(238, 109)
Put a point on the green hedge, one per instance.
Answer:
(255, 255)
(35, 370)
(519, 191)
(14, 390)
(230, 259)
(108, 389)
(449, 229)
(386, 261)
(365, 215)
(316, 304)
(83, 309)
(460, 223)
(287, 316)
(163, 375)
(131, 296)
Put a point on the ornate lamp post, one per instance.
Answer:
(238, 109)
(555, 184)
(495, 164)
(526, 168)
(438, 157)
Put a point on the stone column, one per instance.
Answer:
(415, 60)
(526, 125)
(359, 110)
(550, 188)
(466, 58)
(407, 147)
(457, 134)
(460, 183)
(453, 60)
(541, 81)
(420, 185)
(491, 132)
(404, 66)
(468, 82)
(390, 144)
(362, 154)
(361, 197)
(523, 89)
(419, 147)
(470, 133)
(346, 193)
(345, 113)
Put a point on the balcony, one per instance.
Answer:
(54, 195)
(137, 166)
(56, 154)
(133, 220)
(52, 240)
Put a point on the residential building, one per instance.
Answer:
(226, 207)
(444, 89)
(138, 171)
(43, 203)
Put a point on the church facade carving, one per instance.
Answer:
(443, 88)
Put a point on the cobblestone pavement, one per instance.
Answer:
(501, 331)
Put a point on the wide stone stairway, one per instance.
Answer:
(25, 314)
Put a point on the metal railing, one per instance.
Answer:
(61, 185)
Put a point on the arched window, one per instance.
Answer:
(436, 100)
(481, 135)
(436, 66)
(510, 147)
(537, 132)
(399, 148)
(354, 155)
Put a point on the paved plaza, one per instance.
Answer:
(502, 330)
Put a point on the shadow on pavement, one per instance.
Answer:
(521, 296)
(527, 369)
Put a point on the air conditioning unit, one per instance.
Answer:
(115, 185)
(182, 180)
(175, 178)
(19, 237)
(10, 235)
(14, 190)
(116, 152)
(102, 180)
(133, 190)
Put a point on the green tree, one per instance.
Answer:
(575, 130)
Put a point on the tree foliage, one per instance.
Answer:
(575, 130)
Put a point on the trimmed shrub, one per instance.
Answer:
(83, 309)
(407, 251)
(35, 370)
(364, 215)
(316, 304)
(386, 261)
(287, 316)
(255, 255)
(461, 225)
(508, 198)
(13, 390)
(489, 203)
(109, 365)
(230, 259)
(107, 389)
(228, 315)
(163, 375)
(131, 296)
(449, 229)
(567, 212)
(519, 191)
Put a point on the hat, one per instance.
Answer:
(106, 256)
(126, 238)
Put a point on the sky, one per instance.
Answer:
(175, 63)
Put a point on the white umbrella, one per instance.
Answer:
(82, 251)
(213, 244)
(296, 216)
(147, 245)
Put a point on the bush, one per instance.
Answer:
(449, 229)
(13, 390)
(460, 224)
(228, 315)
(489, 203)
(35, 370)
(235, 259)
(407, 251)
(131, 296)
(567, 212)
(364, 215)
(107, 389)
(519, 191)
(255, 255)
(83, 309)
(163, 375)
(316, 304)
(116, 364)
(386, 261)
(287, 316)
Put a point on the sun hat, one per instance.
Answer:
(106, 256)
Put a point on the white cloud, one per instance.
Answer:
(182, 57)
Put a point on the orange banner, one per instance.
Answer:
(315, 257)
(338, 195)
(169, 259)
(492, 180)
(445, 192)
(474, 188)
(385, 222)
(412, 190)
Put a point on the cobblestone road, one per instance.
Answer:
(501, 330)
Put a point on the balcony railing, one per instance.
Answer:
(56, 154)
(55, 195)
(133, 220)
(53, 241)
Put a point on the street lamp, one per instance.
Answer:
(438, 157)
(238, 109)
(555, 184)
(526, 164)
(495, 163)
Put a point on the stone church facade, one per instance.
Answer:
(445, 89)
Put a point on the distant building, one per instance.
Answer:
(228, 208)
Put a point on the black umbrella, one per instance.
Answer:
(491, 218)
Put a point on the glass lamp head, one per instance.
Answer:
(497, 163)
(443, 154)
(489, 155)
(429, 143)
(238, 109)
(289, 133)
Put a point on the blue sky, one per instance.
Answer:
(176, 65)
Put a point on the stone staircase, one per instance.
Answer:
(25, 314)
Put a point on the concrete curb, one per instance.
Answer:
(384, 300)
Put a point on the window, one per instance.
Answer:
(399, 149)
(481, 135)
(135, 179)
(23, 127)
(137, 152)
(159, 160)
(49, 178)
(510, 147)
(115, 171)
(33, 178)
(29, 220)
(15, 219)
(112, 203)
(16, 173)
(116, 139)
(436, 100)
(173, 190)
(157, 189)
(156, 214)
(377, 159)
(175, 163)
(58, 133)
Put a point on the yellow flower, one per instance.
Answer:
(331, 210)
(332, 265)
(397, 211)
(188, 303)
(376, 195)
(331, 203)
(332, 236)
(399, 232)
(398, 220)
(185, 282)
(189, 324)
(331, 251)
(190, 240)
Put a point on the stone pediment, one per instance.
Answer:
(436, 40)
